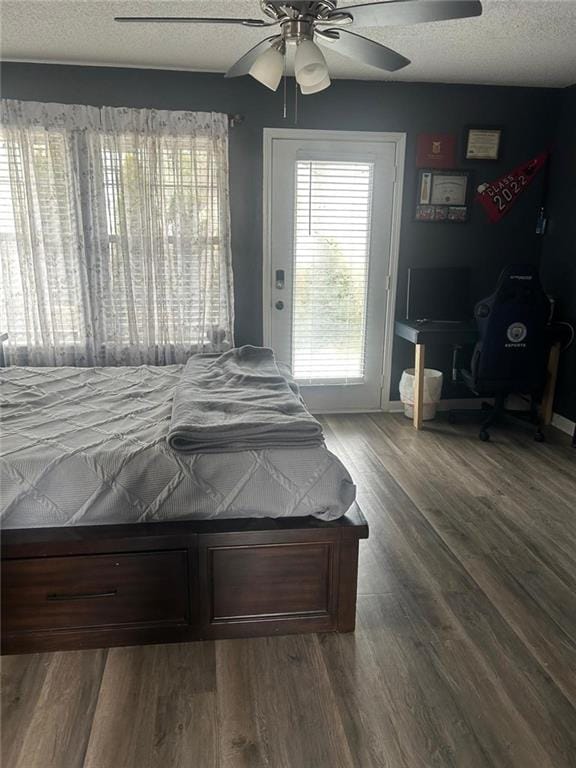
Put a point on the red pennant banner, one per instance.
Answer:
(499, 196)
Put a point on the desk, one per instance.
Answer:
(458, 335)
(422, 334)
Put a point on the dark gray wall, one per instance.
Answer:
(559, 245)
(526, 115)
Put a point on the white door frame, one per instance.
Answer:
(399, 139)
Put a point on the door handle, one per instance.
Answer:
(279, 305)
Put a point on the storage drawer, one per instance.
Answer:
(268, 588)
(59, 593)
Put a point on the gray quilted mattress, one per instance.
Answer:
(87, 446)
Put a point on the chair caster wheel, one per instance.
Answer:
(451, 418)
(539, 437)
(484, 436)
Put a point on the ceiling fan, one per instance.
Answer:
(304, 23)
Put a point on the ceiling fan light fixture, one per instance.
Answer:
(321, 86)
(269, 68)
(309, 64)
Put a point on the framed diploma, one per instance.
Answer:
(483, 143)
(442, 195)
(449, 189)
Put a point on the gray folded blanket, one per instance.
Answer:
(239, 401)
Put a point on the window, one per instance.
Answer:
(115, 243)
(331, 260)
(38, 290)
(10, 281)
(170, 254)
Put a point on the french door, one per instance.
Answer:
(330, 220)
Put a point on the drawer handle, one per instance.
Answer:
(82, 596)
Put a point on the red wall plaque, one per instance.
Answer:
(435, 150)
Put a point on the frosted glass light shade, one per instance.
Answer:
(321, 86)
(309, 65)
(269, 68)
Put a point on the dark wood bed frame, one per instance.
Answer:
(109, 585)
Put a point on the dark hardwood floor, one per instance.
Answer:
(464, 654)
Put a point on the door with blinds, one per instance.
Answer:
(329, 244)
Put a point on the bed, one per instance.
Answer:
(111, 537)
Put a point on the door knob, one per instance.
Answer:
(279, 305)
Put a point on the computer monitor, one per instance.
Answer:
(440, 294)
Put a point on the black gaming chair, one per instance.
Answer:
(511, 355)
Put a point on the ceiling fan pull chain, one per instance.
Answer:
(285, 90)
(295, 102)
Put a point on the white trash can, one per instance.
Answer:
(432, 392)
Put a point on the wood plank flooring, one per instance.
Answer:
(464, 655)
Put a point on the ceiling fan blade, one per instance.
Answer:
(397, 12)
(242, 66)
(361, 49)
(194, 20)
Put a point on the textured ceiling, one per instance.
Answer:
(515, 42)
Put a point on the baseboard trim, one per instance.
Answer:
(344, 412)
(464, 404)
(563, 424)
(396, 406)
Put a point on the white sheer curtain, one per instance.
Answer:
(114, 234)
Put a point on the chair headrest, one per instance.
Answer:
(525, 275)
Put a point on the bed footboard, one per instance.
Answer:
(103, 586)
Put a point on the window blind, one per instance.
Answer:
(9, 273)
(333, 209)
(161, 260)
(39, 283)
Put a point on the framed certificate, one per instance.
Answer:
(483, 143)
(449, 189)
(442, 195)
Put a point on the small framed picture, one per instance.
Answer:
(435, 150)
(483, 143)
(442, 195)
